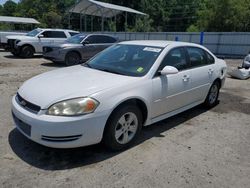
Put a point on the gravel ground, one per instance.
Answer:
(198, 148)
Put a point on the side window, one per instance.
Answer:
(175, 58)
(107, 39)
(92, 39)
(197, 56)
(58, 34)
(46, 34)
(54, 34)
(210, 59)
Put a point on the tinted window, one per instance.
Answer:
(175, 58)
(210, 59)
(98, 39)
(197, 56)
(93, 39)
(54, 34)
(107, 39)
(73, 33)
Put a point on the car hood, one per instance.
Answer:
(66, 83)
(19, 37)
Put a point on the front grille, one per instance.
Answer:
(27, 105)
(47, 49)
(21, 125)
(11, 43)
(60, 138)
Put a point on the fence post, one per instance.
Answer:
(201, 38)
(176, 38)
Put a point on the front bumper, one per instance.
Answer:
(59, 132)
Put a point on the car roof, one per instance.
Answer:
(159, 43)
(99, 34)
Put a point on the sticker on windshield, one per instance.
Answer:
(140, 69)
(150, 49)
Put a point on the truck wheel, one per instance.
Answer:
(123, 127)
(72, 58)
(27, 52)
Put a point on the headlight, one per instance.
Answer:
(17, 41)
(73, 107)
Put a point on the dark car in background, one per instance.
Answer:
(78, 48)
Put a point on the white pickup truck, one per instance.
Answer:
(4, 34)
(33, 42)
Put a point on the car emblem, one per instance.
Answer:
(23, 103)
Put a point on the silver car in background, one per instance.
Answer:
(78, 48)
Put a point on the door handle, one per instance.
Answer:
(186, 78)
(210, 71)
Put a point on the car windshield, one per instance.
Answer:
(76, 39)
(33, 33)
(129, 60)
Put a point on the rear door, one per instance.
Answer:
(51, 38)
(58, 37)
(202, 70)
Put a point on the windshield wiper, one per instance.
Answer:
(111, 71)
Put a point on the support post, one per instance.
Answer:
(102, 23)
(69, 27)
(201, 38)
(126, 21)
(80, 22)
(85, 22)
(91, 23)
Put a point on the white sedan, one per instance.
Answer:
(109, 98)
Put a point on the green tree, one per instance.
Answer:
(52, 19)
(9, 8)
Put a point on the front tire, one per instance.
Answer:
(123, 128)
(27, 52)
(72, 58)
(213, 94)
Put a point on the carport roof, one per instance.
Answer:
(97, 8)
(21, 20)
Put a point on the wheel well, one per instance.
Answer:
(137, 102)
(75, 52)
(29, 46)
(219, 81)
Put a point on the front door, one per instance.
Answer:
(172, 92)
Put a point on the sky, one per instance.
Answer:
(3, 1)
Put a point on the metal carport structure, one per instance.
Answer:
(18, 20)
(100, 9)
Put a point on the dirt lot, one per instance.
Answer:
(197, 148)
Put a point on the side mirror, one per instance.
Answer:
(85, 42)
(40, 36)
(169, 70)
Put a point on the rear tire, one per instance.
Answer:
(213, 94)
(123, 128)
(72, 58)
(27, 52)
